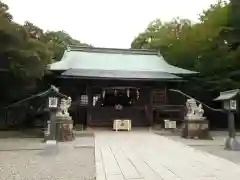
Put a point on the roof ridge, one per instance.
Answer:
(232, 90)
(112, 50)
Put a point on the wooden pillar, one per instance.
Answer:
(90, 104)
(147, 92)
(150, 107)
(166, 95)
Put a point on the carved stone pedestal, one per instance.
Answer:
(197, 129)
(64, 128)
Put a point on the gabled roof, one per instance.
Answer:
(228, 95)
(118, 60)
(49, 91)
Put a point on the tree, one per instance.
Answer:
(25, 51)
(4, 12)
(203, 47)
(33, 31)
(234, 25)
(58, 41)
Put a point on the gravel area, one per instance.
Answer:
(215, 146)
(26, 159)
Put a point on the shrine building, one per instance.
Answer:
(107, 84)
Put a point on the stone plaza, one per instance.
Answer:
(144, 155)
(138, 154)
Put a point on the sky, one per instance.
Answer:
(103, 23)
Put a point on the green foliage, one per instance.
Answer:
(233, 31)
(4, 12)
(203, 47)
(25, 50)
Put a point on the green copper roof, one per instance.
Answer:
(115, 59)
(116, 74)
(89, 62)
(227, 95)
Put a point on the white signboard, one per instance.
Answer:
(233, 104)
(53, 102)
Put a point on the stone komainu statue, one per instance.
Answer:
(194, 110)
(64, 106)
(64, 121)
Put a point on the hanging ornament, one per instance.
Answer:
(103, 93)
(128, 93)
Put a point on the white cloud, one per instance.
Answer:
(103, 23)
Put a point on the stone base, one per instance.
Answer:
(46, 138)
(64, 129)
(232, 144)
(194, 118)
(197, 129)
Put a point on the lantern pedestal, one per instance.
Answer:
(232, 144)
(50, 132)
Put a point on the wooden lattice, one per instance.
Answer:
(159, 97)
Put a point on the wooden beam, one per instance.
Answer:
(90, 104)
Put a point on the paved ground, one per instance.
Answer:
(27, 159)
(144, 155)
(215, 146)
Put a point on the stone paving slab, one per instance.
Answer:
(127, 167)
(110, 164)
(146, 156)
(215, 147)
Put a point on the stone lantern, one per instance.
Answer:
(60, 124)
(230, 100)
(53, 105)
